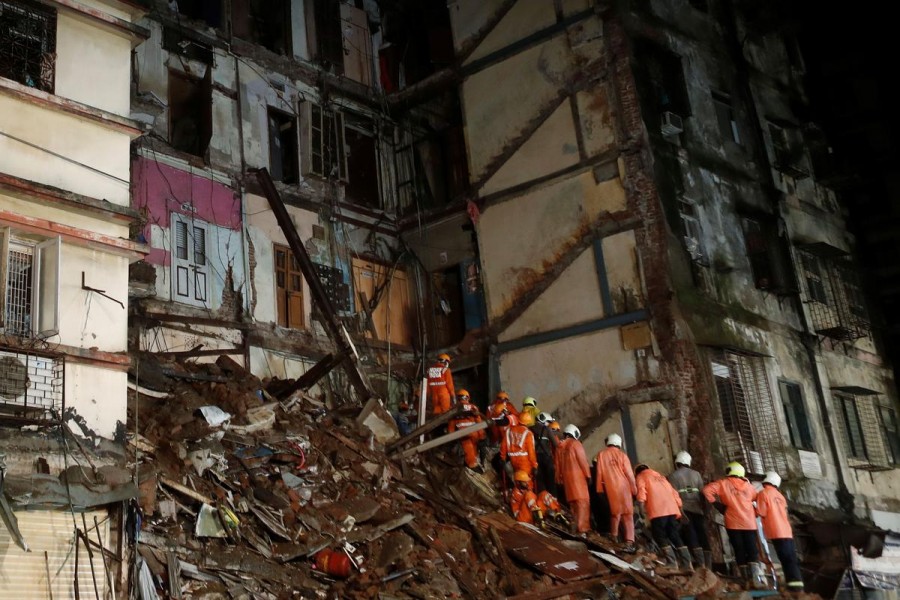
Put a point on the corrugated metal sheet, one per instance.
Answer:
(23, 576)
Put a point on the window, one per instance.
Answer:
(795, 415)
(29, 285)
(868, 429)
(190, 112)
(788, 155)
(767, 253)
(28, 43)
(323, 151)
(190, 263)
(362, 162)
(728, 127)
(356, 42)
(663, 73)
(209, 11)
(264, 22)
(283, 160)
(329, 39)
(751, 432)
(288, 288)
(832, 293)
(693, 235)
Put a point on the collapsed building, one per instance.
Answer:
(620, 209)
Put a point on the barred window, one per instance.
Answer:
(868, 428)
(28, 43)
(832, 293)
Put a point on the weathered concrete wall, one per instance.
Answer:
(97, 394)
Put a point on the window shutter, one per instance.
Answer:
(45, 290)
(309, 131)
(4, 272)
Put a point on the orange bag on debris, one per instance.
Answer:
(333, 563)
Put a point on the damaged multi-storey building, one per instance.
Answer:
(620, 209)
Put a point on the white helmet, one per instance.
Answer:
(773, 478)
(572, 430)
(544, 417)
(683, 458)
(614, 439)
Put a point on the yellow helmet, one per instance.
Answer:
(735, 469)
(529, 401)
(521, 476)
(526, 419)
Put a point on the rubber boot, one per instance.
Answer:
(684, 556)
(697, 554)
(707, 559)
(746, 576)
(758, 574)
(671, 561)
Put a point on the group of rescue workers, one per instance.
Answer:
(537, 461)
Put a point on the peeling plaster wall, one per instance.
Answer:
(97, 394)
(87, 319)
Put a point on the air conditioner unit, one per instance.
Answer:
(670, 123)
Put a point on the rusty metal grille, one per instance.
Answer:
(28, 43)
(18, 291)
(31, 385)
(864, 431)
(751, 432)
(834, 297)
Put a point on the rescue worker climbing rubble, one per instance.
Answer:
(501, 407)
(688, 483)
(661, 504)
(573, 473)
(734, 496)
(615, 479)
(469, 417)
(524, 502)
(771, 507)
(440, 385)
(517, 446)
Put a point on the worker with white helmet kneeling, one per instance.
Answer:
(688, 482)
(734, 496)
(771, 507)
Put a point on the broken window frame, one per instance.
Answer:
(190, 265)
(19, 59)
(284, 148)
(796, 415)
(199, 11)
(257, 11)
(356, 191)
(767, 254)
(725, 116)
(862, 429)
(35, 298)
(323, 151)
(693, 232)
(203, 116)
(751, 432)
(289, 311)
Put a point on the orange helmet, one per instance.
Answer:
(501, 395)
(554, 425)
(463, 394)
(522, 476)
(526, 419)
(444, 357)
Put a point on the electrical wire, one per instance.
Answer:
(65, 158)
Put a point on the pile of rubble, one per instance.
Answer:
(246, 496)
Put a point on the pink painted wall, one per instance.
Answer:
(159, 190)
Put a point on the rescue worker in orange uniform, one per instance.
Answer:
(615, 479)
(440, 385)
(734, 496)
(502, 406)
(573, 473)
(517, 445)
(524, 502)
(469, 417)
(550, 507)
(771, 507)
(661, 504)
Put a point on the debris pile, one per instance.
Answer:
(245, 496)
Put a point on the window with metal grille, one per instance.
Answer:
(29, 285)
(795, 415)
(832, 293)
(288, 288)
(751, 431)
(323, 150)
(865, 430)
(28, 43)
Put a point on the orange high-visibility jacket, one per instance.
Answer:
(659, 497)
(518, 445)
(615, 478)
(572, 470)
(496, 409)
(771, 507)
(548, 502)
(440, 382)
(737, 495)
(523, 502)
(467, 419)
